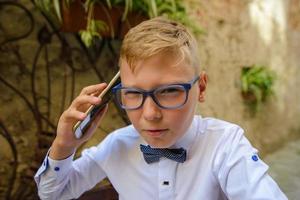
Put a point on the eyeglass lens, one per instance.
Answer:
(166, 96)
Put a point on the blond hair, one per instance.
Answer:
(159, 35)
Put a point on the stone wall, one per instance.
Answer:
(243, 33)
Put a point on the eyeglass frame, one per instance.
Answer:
(187, 87)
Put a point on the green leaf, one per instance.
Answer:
(153, 8)
(56, 6)
(97, 26)
(244, 84)
(108, 4)
(257, 80)
(86, 37)
(128, 8)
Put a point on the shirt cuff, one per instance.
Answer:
(60, 167)
(54, 168)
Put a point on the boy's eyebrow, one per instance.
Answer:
(156, 86)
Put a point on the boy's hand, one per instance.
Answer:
(65, 142)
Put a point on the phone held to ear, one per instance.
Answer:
(82, 126)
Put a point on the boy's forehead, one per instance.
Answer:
(151, 73)
(165, 62)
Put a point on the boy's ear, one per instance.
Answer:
(202, 83)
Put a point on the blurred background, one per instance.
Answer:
(50, 50)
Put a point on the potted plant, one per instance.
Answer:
(98, 18)
(257, 84)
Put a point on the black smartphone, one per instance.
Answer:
(82, 126)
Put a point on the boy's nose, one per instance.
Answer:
(151, 111)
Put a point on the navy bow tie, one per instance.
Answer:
(154, 154)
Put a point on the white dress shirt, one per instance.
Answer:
(221, 164)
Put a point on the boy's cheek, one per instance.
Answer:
(132, 115)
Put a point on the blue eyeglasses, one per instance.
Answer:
(171, 96)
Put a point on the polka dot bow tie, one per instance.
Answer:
(154, 154)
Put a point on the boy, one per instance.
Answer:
(168, 152)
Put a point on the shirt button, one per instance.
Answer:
(56, 169)
(166, 183)
(255, 158)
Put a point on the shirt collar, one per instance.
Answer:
(189, 136)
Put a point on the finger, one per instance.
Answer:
(84, 100)
(96, 94)
(93, 89)
(73, 114)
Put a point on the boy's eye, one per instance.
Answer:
(131, 93)
(170, 91)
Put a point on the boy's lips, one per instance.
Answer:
(155, 132)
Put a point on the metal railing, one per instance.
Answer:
(20, 185)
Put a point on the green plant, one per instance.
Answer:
(257, 84)
(51, 8)
(174, 9)
(93, 26)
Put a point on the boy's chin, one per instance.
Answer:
(159, 144)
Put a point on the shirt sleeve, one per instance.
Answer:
(240, 172)
(68, 179)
